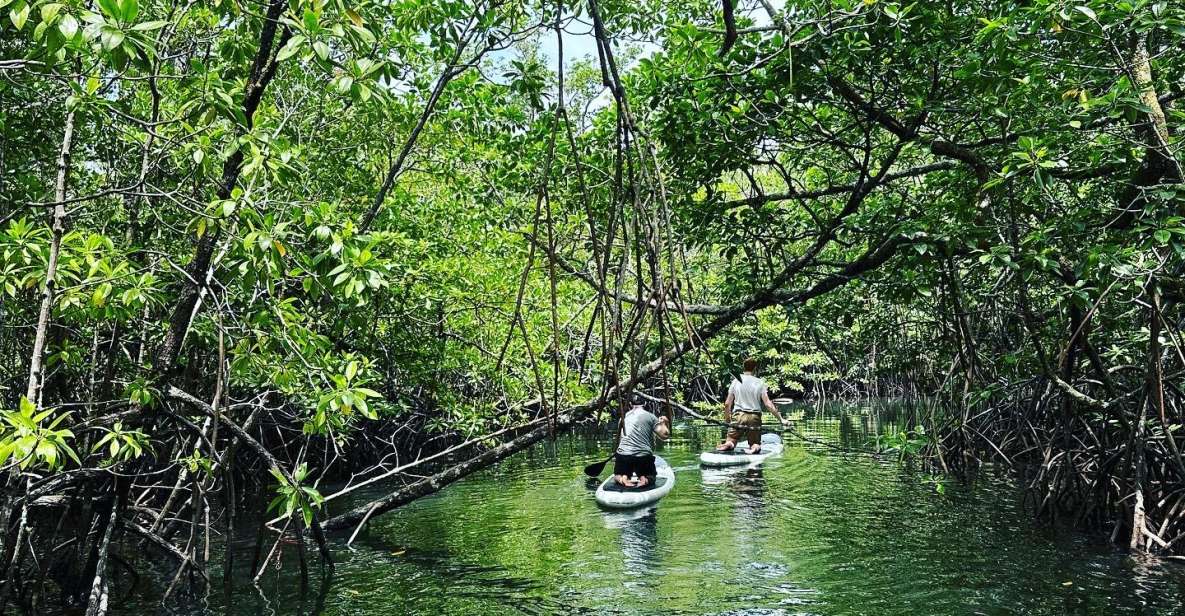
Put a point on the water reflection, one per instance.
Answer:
(808, 532)
(639, 543)
(746, 483)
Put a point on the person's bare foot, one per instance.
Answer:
(726, 446)
(624, 480)
(754, 450)
(642, 482)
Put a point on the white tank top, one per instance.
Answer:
(747, 393)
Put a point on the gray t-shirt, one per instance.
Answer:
(635, 437)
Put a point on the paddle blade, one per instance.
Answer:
(594, 470)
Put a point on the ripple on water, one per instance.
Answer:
(807, 533)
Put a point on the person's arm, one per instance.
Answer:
(771, 407)
(728, 402)
(663, 428)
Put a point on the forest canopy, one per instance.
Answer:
(304, 235)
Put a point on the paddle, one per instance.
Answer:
(594, 470)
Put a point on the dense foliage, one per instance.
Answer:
(301, 235)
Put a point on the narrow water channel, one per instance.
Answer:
(811, 532)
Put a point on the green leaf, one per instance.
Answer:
(129, 9)
(49, 11)
(111, 38)
(321, 49)
(148, 26)
(314, 496)
(1089, 12)
(366, 35)
(68, 26)
(47, 452)
(19, 17)
(110, 8)
(1040, 178)
(291, 48)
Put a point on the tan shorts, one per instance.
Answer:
(750, 427)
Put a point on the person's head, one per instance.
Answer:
(750, 365)
(636, 399)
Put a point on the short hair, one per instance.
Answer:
(636, 399)
(750, 364)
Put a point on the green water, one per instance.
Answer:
(811, 532)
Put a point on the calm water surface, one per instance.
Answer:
(813, 532)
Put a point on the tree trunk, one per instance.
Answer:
(197, 272)
(58, 229)
(100, 593)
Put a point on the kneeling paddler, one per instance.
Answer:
(633, 463)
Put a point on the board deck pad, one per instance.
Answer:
(617, 487)
(739, 451)
(771, 445)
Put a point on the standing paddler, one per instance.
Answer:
(747, 396)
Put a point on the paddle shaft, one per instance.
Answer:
(595, 470)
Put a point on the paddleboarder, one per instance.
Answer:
(747, 396)
(634, 457)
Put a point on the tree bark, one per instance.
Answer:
(58, 229)
(99, 596)
(196, 273)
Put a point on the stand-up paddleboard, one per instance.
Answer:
(771, 445)
(616, 496)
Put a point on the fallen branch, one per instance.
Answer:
(420, 461)
(438, 481)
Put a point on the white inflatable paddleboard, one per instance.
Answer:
(771, 445)
(616, 496)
